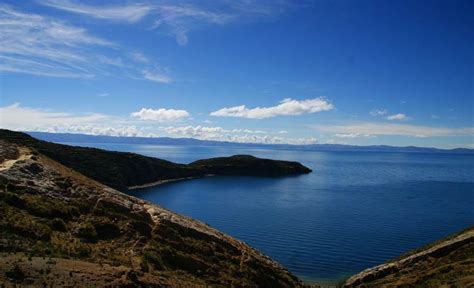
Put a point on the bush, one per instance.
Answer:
(107, 230)
(37, 209)
(15, 273)
(58, 225)
(27, 227)
(13, 200)
(87, 232)
(83, 251)
(48, 208)
(150, 257)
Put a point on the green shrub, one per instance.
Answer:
(36, 208)
(82, 251)
(15, 273)
(3, 181)
(87, 232)
(13, 200)
(107, 230)
(144, 266)
(49, 208)
(58, 225)
(25, 226)
(150, 257)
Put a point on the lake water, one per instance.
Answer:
(354, 211)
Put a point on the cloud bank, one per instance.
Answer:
(285, 108)
(234, 135)
(17, 117)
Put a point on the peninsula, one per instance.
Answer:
(121, 170)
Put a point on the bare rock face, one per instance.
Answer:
(61, 228)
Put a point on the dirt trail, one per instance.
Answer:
(24, 154)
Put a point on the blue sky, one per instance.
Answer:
(352, 72)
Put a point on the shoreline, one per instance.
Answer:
(161, 182)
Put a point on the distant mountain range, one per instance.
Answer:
(82, 138)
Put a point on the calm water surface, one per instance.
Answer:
(356, 210)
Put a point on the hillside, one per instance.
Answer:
(61, 228)
(445, 263)
(121, 170)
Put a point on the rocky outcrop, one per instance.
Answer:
(59, 227)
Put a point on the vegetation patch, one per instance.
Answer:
(87, 232)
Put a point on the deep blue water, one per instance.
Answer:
(355, 210)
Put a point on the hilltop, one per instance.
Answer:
(61, 228)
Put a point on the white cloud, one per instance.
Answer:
(388, 129)
(378, 112)
(398, 117)
(160, 115)
(129, 13)
(157, 77)
(286, 107)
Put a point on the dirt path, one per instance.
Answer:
(24, 154)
